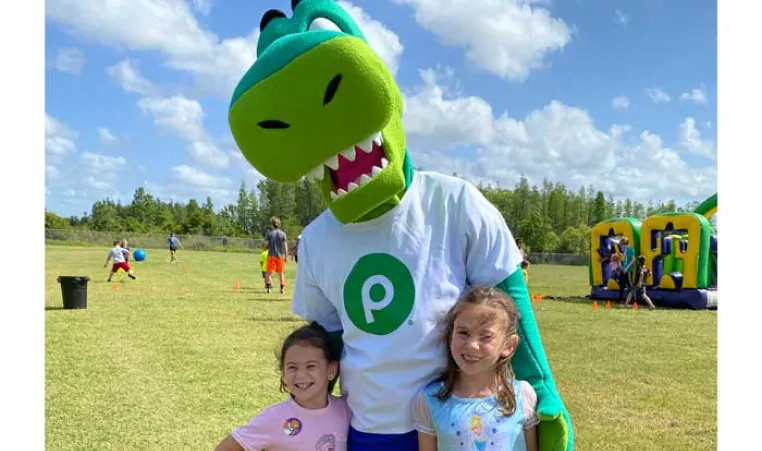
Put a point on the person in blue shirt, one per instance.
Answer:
(174, 242)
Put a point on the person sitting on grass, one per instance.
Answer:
(639, 288)
(310, 418)
(117, 253)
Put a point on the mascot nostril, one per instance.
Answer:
(330, 91)
(273, 124)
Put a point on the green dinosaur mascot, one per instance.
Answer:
(382, 266)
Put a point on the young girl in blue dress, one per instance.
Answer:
(477, 404)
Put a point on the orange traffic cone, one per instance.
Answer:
(595, 305)
(237, 285)
(115, 286)
(635, 305)
(608, 304)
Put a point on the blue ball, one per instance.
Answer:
(139, 255)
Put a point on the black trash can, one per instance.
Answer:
(74, 291)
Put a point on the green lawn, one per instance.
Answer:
(175, 359)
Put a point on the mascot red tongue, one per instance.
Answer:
(383, 264)
(360, 170)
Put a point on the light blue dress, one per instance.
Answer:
(475, 423)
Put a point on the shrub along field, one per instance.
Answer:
(180, 356)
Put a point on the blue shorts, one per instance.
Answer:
(362, 441)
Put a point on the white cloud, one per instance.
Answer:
(70, 60)
(689, 137)
(99, 164)
(509, 38)
(697, 95)
(102, 170)
(621, 18)
(446, 122)
(128, 77)
(557, 142)
(658, 96)
(93, 177)
(167, 27)
(183, 117)
(51, 172)
(382, 40)
(203, 6)
(199, 178)
(183, 191)
(170, 28)
(59, 139)
(620, 102)
(106, 135)
(178, 114)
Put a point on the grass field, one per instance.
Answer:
(175, 359)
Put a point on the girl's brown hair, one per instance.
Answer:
(509, 315)
(309, 335)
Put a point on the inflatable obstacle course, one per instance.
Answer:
(680, 250)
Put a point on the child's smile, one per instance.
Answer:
(306, 374)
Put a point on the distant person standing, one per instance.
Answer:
(277, 254)
(174, 242)
(627, 268)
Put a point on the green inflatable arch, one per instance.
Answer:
(708, 208)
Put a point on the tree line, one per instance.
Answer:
(549, 218)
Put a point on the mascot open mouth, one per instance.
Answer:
(354, 166)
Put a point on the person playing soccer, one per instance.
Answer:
(174, 241)
(118, 253)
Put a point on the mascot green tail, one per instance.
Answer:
(319, 103)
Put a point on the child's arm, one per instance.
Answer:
(256, 434)
(108, 259)
(427, 439)
(229, 444)
(428, 442)
(530, 437)
(530, 413)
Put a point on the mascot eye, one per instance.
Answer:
(321, 23)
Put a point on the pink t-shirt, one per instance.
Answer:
(289, 426)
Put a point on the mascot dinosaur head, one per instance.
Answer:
(319, 103)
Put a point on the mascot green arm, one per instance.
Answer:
(320, 103)
(530, 364)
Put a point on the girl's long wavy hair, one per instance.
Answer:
(508, 314)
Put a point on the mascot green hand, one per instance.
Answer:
(382, 266)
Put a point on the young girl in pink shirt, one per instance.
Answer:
(310, 418)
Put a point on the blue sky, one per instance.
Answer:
(615, 93)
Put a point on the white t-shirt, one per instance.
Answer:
(389, 282)
(117, 254)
